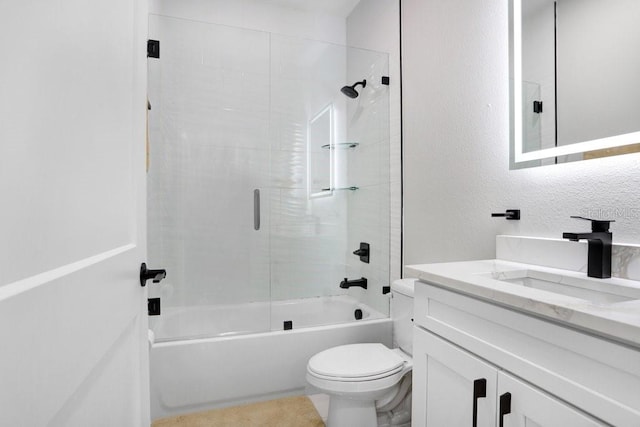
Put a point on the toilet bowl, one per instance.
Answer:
(367, 381)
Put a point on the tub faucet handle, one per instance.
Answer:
(363, 252)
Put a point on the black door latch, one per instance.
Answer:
(146, 274)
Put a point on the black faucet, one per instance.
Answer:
(599, 247)
(346, 283)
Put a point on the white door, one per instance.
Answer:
(73, 348)
(528, 406)
(450, 386)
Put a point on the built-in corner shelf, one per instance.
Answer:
(341, 145)
(353, 188)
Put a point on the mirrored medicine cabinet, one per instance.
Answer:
(574, 80)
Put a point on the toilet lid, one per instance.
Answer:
(355, 361)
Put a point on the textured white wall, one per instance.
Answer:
(456, 148)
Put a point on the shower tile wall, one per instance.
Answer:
(308, 236)
(260, 15)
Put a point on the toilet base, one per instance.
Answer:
(351, 413)
(360, 402)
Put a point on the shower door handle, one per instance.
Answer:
(256, 209)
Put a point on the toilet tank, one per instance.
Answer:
(402, 314)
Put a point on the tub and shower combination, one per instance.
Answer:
(196, 373)
(263, 179)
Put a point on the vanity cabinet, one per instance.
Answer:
(472, 356)
(446, 380)
(452, 387)
(529, 406)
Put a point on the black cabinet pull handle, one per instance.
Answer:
(147, 274)
(505, 407)
(479, 390)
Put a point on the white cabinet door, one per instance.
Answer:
(451, 387)
(526, 406)
(73, 349)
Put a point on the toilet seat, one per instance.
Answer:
(358, 379)
(356, 363)
(361, 371)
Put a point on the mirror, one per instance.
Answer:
(320, 145)
(575, 70)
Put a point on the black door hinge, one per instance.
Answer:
(153, 48)
(153, 306)
(537, 107)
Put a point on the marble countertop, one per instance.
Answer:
(616, 318)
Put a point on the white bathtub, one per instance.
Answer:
(204, 373)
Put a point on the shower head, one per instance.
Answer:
(351, 91)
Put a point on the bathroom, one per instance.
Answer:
(77, 197)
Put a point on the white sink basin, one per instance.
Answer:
(592, 290)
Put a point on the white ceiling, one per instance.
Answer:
(340, 8)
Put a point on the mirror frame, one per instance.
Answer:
(518, 157)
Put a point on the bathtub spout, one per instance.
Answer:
(346, 283)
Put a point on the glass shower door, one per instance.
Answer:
(330, 179)
(208, 154)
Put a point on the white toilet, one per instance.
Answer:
(370, 384)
